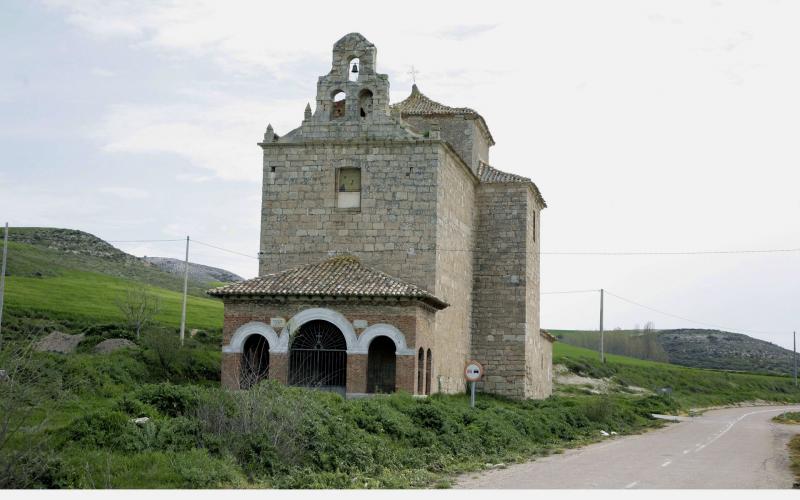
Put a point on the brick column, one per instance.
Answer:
(279, 367)
(405, 373)
(231, 366)
(356, 373)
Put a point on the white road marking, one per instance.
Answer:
(631, 485)
(686, 451)
(666, 463)
(730, 426)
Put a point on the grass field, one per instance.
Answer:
(47, 283)
(91, 296)
(691, 387)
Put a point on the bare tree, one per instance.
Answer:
(139, 308)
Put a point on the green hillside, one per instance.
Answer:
(690, 387)
(697, 348)
(43, 281)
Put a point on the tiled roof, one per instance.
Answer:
(341, 276)
(419, 104)
(490, 175)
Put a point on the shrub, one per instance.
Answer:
(169, 399)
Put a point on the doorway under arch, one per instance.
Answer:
(318, 357)
(254, 361)
(381, 365)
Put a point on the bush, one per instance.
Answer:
(169, 399)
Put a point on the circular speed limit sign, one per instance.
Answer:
(473, 371)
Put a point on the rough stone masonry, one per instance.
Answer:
(443, 250)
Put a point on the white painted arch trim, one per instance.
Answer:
(382, 329)
(276, 343)
(320, 313)
(279, 343)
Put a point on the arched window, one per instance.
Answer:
(428, 370)
(381, 365)
(338, 108)
(421, 371)
(254, 361)
(365, 103)
(353, 69)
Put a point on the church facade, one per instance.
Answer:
(392, 252)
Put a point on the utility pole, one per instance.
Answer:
(602, 347)
(794, 355)
(3, 282)
(185, 288)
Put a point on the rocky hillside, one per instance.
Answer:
(724, 350)
(47, 252)
(197, 272)
(696, 348)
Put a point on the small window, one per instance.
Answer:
(348, 188)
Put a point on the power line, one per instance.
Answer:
(137, 241)
(690, 252)
(225, 249)
(683, 318)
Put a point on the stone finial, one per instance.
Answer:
(435, 132)
(269, 135)
(307, 114)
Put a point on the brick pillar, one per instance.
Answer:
(405, 373)
(231, 362)
(279, 367)
(356, 373)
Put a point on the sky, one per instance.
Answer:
(648, 126)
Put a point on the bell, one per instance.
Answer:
(355, 68)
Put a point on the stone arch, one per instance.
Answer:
(353, 63)
(236, 344)
(329, 315)
(365, 103)
(338, 104)
(428, 371)
(386, 330)
(382, 365)
(421, 371)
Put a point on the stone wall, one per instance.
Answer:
(460, 131)
(394, 230)
(538, 350)
(499, 309)
(454, 256)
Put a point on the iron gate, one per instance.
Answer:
(318, 358)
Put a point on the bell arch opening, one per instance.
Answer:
(365, 103)
(381, 365)
(254, 362)
(318, 357)
(339, 101)
(353, 68)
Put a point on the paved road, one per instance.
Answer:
(730, 448)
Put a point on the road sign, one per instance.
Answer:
(473, 371)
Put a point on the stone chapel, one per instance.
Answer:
(392, 252)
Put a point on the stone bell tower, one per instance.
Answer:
(352, 91)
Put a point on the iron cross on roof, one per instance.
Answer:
(413, 74)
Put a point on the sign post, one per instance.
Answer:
(473, 372)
